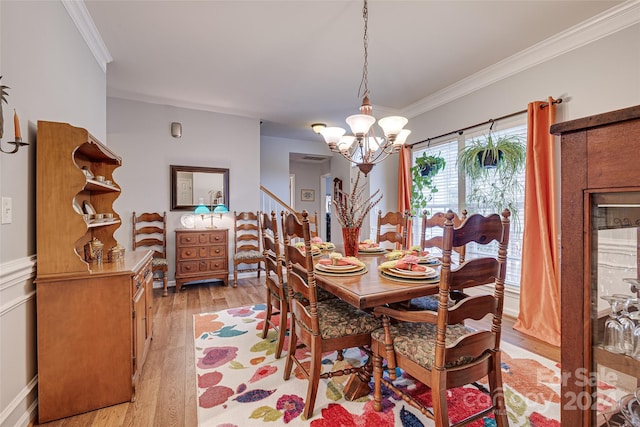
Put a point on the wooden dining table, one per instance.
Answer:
(365, 292)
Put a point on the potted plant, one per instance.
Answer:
(422, 174)
(493, 165)
(504, 153)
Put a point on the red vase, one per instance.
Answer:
(351, 240)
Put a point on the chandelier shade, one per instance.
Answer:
(363, 147)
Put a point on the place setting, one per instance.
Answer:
(315, 249)
(408, 269)
(369, 247)
(338, 265)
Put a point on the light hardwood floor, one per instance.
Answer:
(166, 393)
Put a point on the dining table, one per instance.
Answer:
(367, 291)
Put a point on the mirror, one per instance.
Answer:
(190, 184)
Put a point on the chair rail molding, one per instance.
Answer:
(17, 271)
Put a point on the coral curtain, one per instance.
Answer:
(540, 285)
(404, 185)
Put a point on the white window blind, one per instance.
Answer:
(451, 195)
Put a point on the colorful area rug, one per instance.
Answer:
(240, 384)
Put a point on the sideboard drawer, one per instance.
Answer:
(198, 252)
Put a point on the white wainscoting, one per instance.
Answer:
(18, 371)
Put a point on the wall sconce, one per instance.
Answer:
(17, 142)
(176, 129)
(318, 127)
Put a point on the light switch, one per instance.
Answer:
(6, 210)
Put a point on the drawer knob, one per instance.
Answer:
(188, 252)
(217, 237)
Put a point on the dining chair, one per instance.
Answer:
(437, 220)
(246, 243)
(277, 294)
(430, 302)
(313, 223)
(436, 348)
(321, 326)
(397, 236)
(149, 230)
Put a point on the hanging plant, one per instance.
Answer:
(422, 174)
(493, 166)
(506, 153)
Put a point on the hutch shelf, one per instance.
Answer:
(94, 316)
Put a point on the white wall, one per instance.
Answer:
(53, 76)
(140, 133)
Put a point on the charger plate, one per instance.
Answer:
(411, 280)
(371, 251)
(427, 274)
(362, 270)
(337, 268)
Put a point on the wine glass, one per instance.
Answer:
(613, 330)
(628, 325)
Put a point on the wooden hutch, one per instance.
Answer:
(600, 197)
(94, 316)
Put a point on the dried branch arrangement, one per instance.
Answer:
(351, 209)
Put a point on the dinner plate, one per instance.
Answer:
(428, 260)
(338, 268)
(427, 274)
(77, 207)
(88, 208)
(371, 250)
(408, 279)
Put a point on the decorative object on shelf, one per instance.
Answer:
(93, 250)
(88, 208)
(493, 165)
(364, 148)
(16, 122)
(116, 254)
(422, 174)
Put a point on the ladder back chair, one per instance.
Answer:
(247, 246)
(277, 294)
(397, 236)
(435, 347)
(321, 326)
(150, 231)
(437, 220)
(313, 223)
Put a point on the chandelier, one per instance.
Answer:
(363, 147)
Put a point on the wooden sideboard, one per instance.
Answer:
(201, 254)
(600, 184)
(94, 318)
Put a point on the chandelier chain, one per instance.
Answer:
(364, 83)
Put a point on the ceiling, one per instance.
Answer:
(291, 63)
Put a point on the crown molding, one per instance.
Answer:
(609, 22)
(84, 23)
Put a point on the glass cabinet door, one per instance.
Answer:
(615, 306)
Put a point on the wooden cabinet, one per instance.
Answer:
(94, 318)
(201, 254)
(600, 203)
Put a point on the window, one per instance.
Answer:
(452, 195)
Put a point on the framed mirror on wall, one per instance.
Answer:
(192, 185)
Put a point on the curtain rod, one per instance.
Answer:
(461, 131)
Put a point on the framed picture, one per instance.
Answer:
(307, 195)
